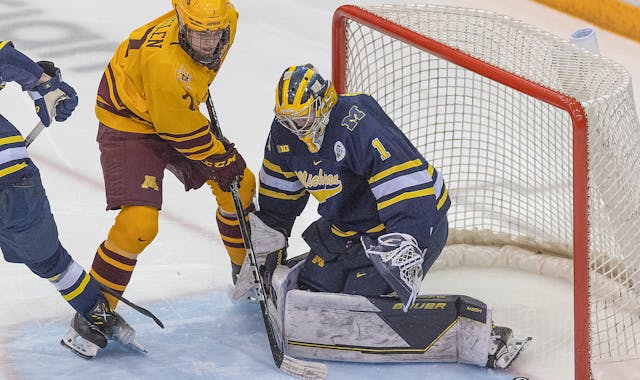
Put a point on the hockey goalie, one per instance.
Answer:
(382, 206)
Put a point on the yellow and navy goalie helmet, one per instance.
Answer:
(304, 100)
(204, 29)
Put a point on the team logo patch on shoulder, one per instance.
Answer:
(282, 148)
(183, 76)
(339, 150)
(353, 118)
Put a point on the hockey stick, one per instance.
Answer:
(40, 126)
(33, 134)
(295, 367)
(135, 307)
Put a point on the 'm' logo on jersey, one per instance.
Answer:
(322, 185)
(318, 261)
(150, 183)
(351, 120)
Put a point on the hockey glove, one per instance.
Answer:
(398, 259)
(226, 167)
(53, 97)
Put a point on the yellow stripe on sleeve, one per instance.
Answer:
(405, 196)
(276, 195)
(443, 199)
(275, 168)
(394, 169)
(12, 169)
(11, 140)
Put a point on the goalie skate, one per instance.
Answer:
(505, 347)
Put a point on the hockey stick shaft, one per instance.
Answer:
(135, 307)
(34, 133)
(246, 237)
(40, 126)
(295, 367)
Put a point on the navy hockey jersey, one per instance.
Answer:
(367, 176)
(15, 67)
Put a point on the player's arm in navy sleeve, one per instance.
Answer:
(408, 190)
(48, 91)
(17, 67)
(281, 196)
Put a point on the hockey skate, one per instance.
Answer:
(85, 337)
(505, 347)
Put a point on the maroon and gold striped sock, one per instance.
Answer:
(229, 229)
(112, 270)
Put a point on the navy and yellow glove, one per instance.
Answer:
(53, 97)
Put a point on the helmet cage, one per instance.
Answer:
(304, 121)
(197, 44)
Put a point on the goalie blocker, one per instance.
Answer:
(342, 327)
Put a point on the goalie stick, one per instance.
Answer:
(295, 367)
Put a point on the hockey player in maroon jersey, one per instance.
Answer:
(149, 120)
(28, 231)
(382, 225)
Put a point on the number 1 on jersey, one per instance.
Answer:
(384, 154)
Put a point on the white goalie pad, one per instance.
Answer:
(342, 327)
(265, 240)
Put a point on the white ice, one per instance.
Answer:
(184, 275)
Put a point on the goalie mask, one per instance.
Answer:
(303, 104)
(204, 29)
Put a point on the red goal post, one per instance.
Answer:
(538, 141)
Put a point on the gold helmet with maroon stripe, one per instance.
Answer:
(204, 29)
(304, 100)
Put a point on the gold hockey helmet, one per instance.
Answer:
(304, 100)
(204, 29)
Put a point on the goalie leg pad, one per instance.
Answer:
(355, 328)
(343, 327)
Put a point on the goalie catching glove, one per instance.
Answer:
(226, 167)
(53, 97)
(398, 259)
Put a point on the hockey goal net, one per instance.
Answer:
(538, 140)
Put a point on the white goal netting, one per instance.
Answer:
(500, 112)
